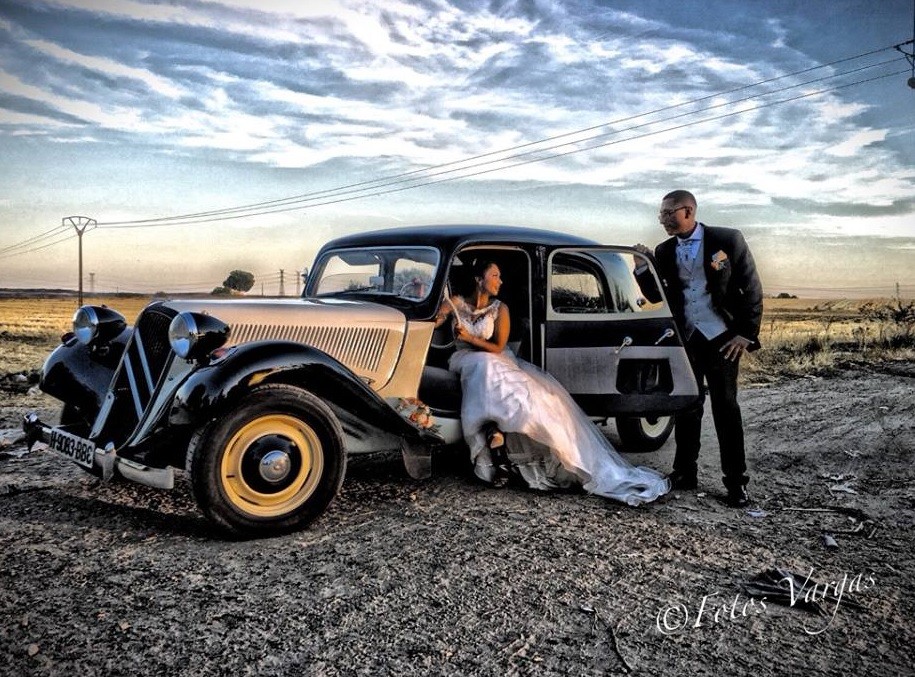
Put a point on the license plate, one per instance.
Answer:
(73, 447)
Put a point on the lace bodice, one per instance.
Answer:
(480, 323)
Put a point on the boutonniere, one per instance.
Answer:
(719, 260)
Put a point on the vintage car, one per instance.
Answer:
(260, 400)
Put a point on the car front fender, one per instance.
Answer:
(77, 374)
(214, 389)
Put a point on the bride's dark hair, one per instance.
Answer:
(478, 268)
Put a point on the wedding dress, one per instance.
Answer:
(549, 438)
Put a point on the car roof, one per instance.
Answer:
(450, 237)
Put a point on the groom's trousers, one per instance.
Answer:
(710, 367)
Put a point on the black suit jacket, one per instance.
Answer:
(733, 282)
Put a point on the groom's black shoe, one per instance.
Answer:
(738, 497)
(682, 482)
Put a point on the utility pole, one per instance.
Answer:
(81, 224)
(92, 283)
(298, 283)
(282, 282)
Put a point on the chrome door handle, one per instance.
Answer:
(626, 342)
(666, 335)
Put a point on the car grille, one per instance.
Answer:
(147, 356)
(359, 348)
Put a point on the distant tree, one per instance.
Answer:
(239, 280)
(786, 295)
(221, 291)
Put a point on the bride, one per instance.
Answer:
(555, 445)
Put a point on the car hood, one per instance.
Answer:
(294, 311)
(366, 337)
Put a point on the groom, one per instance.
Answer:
(716, 298)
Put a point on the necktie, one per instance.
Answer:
(685, 251)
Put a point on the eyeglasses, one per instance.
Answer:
(665, 213)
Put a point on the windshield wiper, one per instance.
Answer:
(356, 290)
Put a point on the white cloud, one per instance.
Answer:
(109, 67)
(14, 118)
(857, 141)
(134, 10)
(110, 116)
(432, 56)
(776, 26)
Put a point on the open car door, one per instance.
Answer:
(617, 353)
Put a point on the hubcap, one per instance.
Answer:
(275, 466)
(272, 465)
(653, 426)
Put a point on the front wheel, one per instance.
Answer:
(644, 434)
(270, 466)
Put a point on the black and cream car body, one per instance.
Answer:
(260, 400)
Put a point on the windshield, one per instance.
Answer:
(403, 272)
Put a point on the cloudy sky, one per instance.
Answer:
(789, 120)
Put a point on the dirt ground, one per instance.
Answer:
(450, 577)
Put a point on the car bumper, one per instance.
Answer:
(103, 463)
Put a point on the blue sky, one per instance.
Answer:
(123, 110)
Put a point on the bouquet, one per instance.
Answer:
(417, 413)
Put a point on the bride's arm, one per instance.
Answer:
(495, 344)
(444, 311)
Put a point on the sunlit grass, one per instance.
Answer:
(799, 336)
(39, 318)
(31, 327)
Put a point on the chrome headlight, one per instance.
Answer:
(91, 323)
(195, 335)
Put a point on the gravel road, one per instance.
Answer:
(449, 577)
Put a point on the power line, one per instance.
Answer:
(201, 217)
(38, 249)
(37, 238)
(421, 177)
(420, 182)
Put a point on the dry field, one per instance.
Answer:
(799, 336)
(813, 336)
(30, 327)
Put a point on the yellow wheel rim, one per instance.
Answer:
(272, 465)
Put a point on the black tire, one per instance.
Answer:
(247, 497)
(640, 435)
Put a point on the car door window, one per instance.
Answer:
(576, 286)
(602, 281)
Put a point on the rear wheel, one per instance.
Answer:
(271, 466)
(644, 434)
